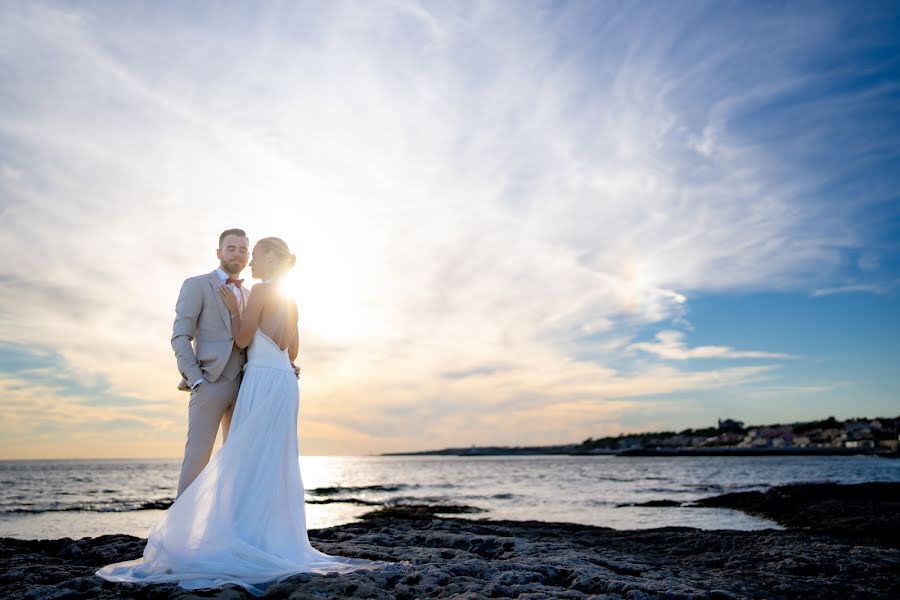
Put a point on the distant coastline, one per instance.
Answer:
(560, 451)
(827, 437)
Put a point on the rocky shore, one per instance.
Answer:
(824, 553)
(865, 510)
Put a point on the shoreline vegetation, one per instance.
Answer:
(827, 437)
(839, 541)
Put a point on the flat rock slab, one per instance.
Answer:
(478, 558)
(856, 510)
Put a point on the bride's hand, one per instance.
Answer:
(229, 299)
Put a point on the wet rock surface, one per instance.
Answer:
(859, 510)
(454, 557)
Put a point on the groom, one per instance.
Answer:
(211, 366)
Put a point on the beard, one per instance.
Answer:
(232, 268)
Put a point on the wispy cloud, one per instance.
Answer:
(670, 345)
(865, 288)
(48, 411)
(476, 193)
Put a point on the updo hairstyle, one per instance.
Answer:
(284, 259)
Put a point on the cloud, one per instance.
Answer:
(47, 412)
(866, 288)
(868, 262)
(478, 196)
(669, 345)
(476, 371)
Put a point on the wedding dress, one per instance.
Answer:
(242, 520)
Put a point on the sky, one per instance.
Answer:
(516, 223)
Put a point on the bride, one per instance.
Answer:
(243, 520)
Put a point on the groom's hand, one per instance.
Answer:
(296, 370)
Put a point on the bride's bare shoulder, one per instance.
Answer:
(263, 291)
(272, 296)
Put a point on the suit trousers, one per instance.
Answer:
(211, 403)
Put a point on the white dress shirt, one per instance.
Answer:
(223, 277)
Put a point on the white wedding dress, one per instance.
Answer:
(242, 520)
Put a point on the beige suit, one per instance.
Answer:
(204, 348)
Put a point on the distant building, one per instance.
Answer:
(859, 444)
(891, 445)
(824, 438)
(887, 438)
(855, 434)
(768, 437)
(857, 429)
(629, 442)
(801, 441)
(723, 439)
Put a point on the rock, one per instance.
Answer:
(867, 510)
(480, 558)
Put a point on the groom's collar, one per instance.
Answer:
(222, 275)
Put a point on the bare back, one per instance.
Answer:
(278, 320)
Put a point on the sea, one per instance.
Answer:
(49, 499)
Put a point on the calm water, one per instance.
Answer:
(53, 499)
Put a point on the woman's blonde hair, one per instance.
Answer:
(286, 260)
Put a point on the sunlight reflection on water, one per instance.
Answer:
(51, 499)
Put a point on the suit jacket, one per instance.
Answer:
(201, 335)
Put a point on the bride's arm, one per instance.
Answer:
(243, 326)
(294, 348)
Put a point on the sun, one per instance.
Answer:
(339, 268)
(331, 297)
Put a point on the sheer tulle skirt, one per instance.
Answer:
(242, 520)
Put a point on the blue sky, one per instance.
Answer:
(516, 223)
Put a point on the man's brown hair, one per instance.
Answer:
(228, 232)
